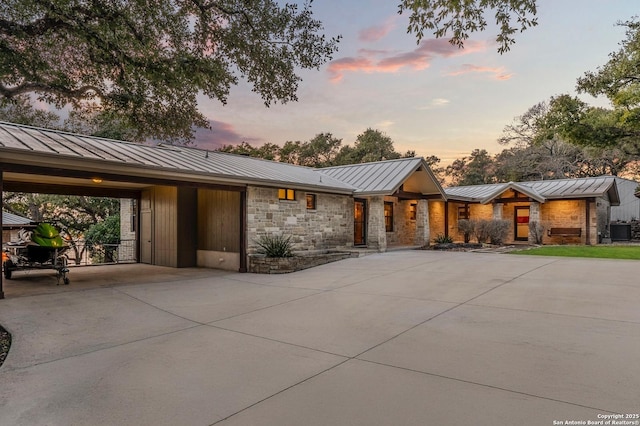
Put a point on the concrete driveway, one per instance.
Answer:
(402, 338)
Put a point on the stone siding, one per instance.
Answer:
(436, 218)
(404, 228)
(284, 265)
(329, 226)
(376, 233)
(567, 214)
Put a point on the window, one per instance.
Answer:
(388, 216)
(286, 194)
(413, 209)
(463, 212)
(311, 201)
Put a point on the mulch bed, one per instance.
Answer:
(5, 344)
(455, 246)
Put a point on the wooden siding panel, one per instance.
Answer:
(219, 220)
(187, 227)
(165, 230)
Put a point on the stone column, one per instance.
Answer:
(497, 211)
(423, 235)
(376, 232)
(534, 216)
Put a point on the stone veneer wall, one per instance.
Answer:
(376, 233)
(436, 218)
(329, 226)
(568, 214)
(404, 228)
(283, 265)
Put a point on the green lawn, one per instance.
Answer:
(611, 252)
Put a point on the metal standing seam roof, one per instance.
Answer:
(178, 160)
(547, 189)
(10, 219)
(378, 178)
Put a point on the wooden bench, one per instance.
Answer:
(564, 232)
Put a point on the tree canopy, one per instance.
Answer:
(325, 150)
(145, 62)
(458, 19)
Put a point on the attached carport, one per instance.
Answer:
(181, 193)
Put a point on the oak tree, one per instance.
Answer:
(144, 62)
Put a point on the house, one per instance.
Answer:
(198, 208)
(580, 207)
(629, 208)
(192, 207)
(12, 223)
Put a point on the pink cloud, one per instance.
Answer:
(338, 67)
(377, 32)
(499, 73)
(383, 61)
(220, 134)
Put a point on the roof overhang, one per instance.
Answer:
(529, 192)
(20, 167)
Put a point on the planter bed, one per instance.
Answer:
(260, 264)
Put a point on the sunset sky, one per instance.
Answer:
(432, 98)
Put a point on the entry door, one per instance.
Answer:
(521, 223)
(360, 223)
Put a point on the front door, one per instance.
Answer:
(521, 231)
(360, 223)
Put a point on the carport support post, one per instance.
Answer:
(1, 242)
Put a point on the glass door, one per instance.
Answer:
(521, 223)
(360, 223)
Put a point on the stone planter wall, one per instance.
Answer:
(635, 230)
(283, 265)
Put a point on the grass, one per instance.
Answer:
(608, 252)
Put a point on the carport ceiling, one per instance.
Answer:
(96, 186)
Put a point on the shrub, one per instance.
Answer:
(481, 230)
(442, 239)
(536, 230)
(494, 230)
(466, 228)
(498, 230)
(275, 246)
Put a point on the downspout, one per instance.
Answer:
(243, 231)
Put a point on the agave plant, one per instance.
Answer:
(275, 245)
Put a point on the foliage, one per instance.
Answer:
(275, 245)
(466, 227)
(72, 215)
(610, 252)
(536, 230)
(325, 150)
(104, 232)
(21, 111)
(480, 230)
(443, 239)
(494, 230)
(102, 239)
(144, 64)
(497, 230)
(371, 145)
(476, 169)
(460, 18)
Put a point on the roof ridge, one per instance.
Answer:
(372, 162)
